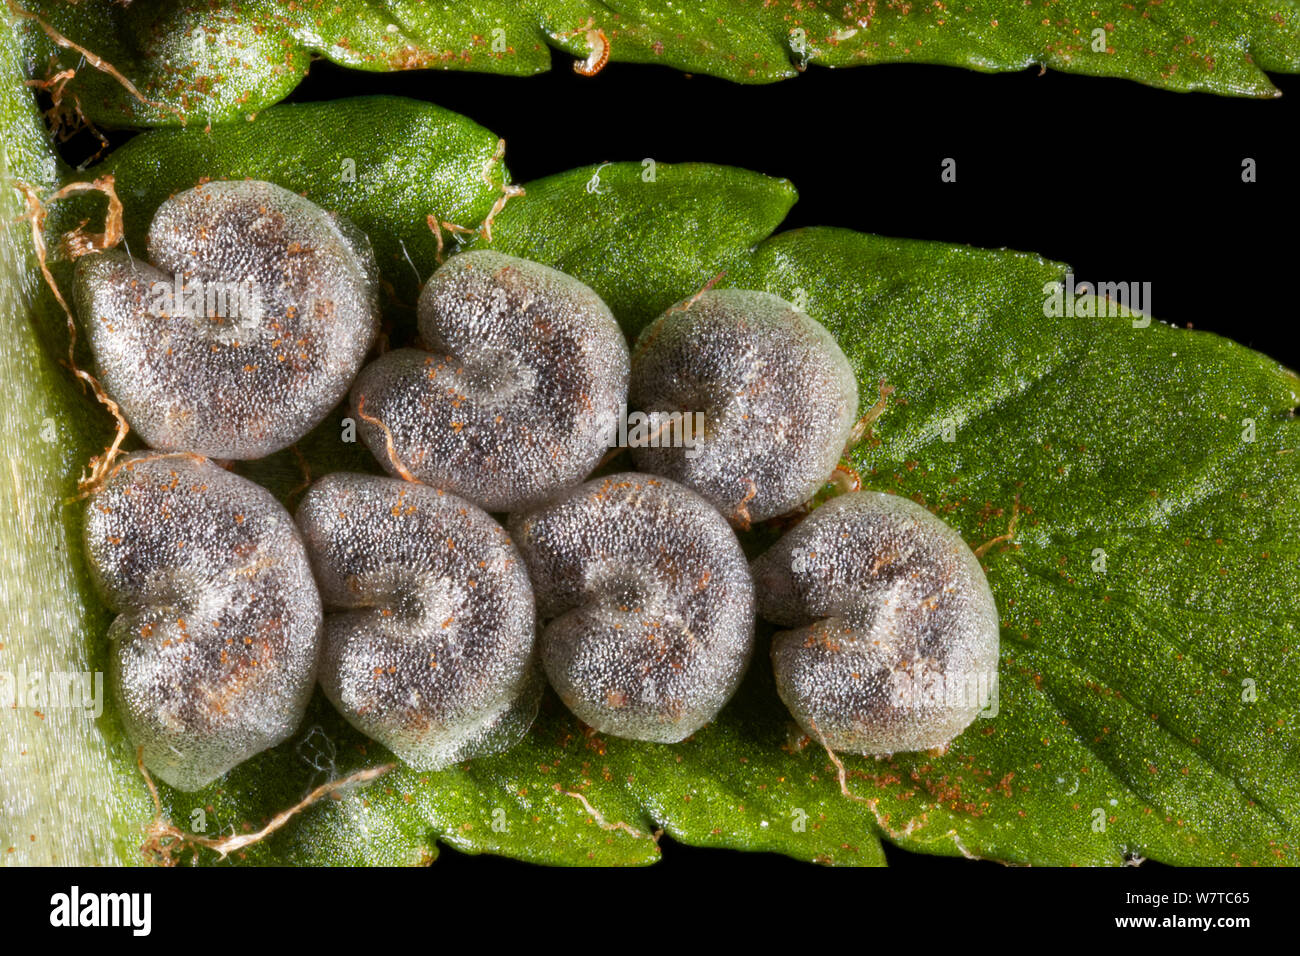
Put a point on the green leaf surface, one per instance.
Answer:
(362, 158)
(68, 793)
(223, 60)
(1123, 692)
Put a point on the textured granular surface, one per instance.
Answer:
(429, 633)
(778, 396)
(895, 640)
(524, 374)
(246, 326)
(213, 651)
(646, 601)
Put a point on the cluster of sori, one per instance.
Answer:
(431, 626)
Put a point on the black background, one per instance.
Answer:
(1122, 182)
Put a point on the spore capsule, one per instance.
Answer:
(213, 651)
(429, 629)
(894, 632)
(777, 394)
(646, 604)
(245, 327)
(512, 398)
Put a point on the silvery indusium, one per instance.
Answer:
(645, 601)
(510, 399)
(213, 651)
(778, 395)
(895, 631)
(428, 644)
(243, 330)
